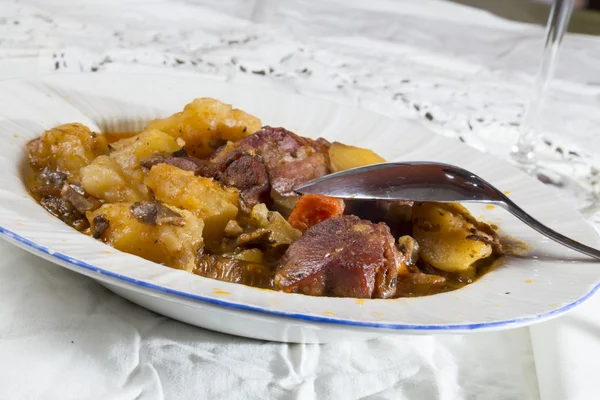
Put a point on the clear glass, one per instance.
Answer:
(558, 21)
(523, 151)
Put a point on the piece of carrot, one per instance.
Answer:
(314, 208)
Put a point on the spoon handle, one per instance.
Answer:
(551, 233)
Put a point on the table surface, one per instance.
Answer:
(462, 72)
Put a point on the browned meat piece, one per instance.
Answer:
(76, 196)
(286, 176)
(100, 224)
(234, 270)
(290, 159)
(154, 213)
(48, 182)
(64, 211)
(342, 256)
(323, 145)
(245, 172)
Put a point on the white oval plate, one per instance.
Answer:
(547, 281)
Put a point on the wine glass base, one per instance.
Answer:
(583, 198)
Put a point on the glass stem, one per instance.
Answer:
(523, 150)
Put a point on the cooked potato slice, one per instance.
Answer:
(206, 198)
(205, 124)
(448, 236)
(345, 157)
(66, 148)
(175, 246)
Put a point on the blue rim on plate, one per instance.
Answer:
(8, 235)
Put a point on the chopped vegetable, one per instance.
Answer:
(314, 208)
(281, 231)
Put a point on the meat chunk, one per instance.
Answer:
(80, 201)
(244, 171)
(342, 256)
(99, 226)
(48, 182)
(64, 211)
(290, 160)
(286, 176)
(153, 213)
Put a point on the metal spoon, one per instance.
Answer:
(427, 181)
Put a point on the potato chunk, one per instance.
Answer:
(205, 124)
(129, 152)
(450, 239)
(119, 177)
(174, 246)
(105, 179)
(66, 148)
(343, 157)
(206, 198)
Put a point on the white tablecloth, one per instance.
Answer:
(461, 71)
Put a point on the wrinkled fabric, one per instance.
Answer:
(63, 336)
(462, 72)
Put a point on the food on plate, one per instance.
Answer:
(206, 124)
(343, 256)
(314, 208)
(345, 157)
(449, 237)
(210, 190)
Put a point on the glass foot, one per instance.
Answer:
(579, 195)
